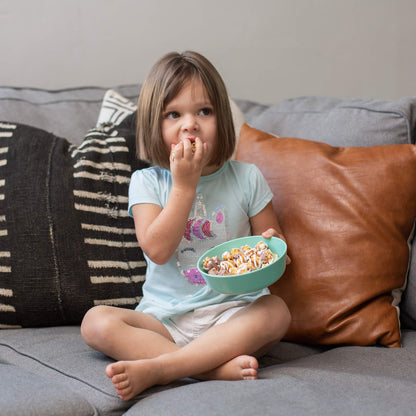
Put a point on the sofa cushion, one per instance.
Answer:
(348, 215)
(60, 355)
(341, 121)
(66, 241)
(67, 113)
(24, 393)
(341, 381)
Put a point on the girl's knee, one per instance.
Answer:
(277, 317)
(282, 312)
(286, 316)
(95, 324)
(282, 309)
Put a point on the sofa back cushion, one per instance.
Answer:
(67, 113)
(341, 121)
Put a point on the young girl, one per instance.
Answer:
(192, 199)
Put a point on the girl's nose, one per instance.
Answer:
(190, 123)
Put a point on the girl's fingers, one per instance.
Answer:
(269, 233)
(176, 151)
(190, 145)
(172, 152)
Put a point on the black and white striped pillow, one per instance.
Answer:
(66, 241)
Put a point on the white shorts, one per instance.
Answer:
(189, 326)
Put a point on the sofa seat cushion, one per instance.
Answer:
(60, 355)
(340, 381)
(24, 393)
(348, 216)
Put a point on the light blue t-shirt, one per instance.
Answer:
(223, 205)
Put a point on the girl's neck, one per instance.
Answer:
(209, 170)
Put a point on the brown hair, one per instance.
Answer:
(167, 77)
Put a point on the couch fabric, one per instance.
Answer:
(302, 375)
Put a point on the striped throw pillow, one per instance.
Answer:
(66, 241)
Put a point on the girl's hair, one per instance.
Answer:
(165, 80)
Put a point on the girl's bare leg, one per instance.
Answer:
(131, 335)
(225, 351)
(125, 334)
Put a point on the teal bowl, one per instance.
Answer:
(250, 281)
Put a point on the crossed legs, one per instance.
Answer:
(149, 356)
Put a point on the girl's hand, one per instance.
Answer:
(186, 164)
(271, 232)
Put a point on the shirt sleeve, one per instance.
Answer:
(143, 188)
(260, 192)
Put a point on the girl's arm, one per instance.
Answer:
(159, 231)
(265, 223)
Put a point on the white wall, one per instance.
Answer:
(265, 50)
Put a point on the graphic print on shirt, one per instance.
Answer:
(202, 233)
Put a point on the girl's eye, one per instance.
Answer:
(172, 115)
(205, 111)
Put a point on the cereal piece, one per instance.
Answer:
(211, 263)
(226, 255)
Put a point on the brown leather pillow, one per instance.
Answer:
(347, 214)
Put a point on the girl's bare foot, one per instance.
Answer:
(243, 367)
(130, 378)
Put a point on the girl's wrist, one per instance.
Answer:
(184, 191)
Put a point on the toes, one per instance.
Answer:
(253, 363)
(119, 378)
(121, 385)
(249, 371)
(249, 374)
(125, 394)
(114, 369)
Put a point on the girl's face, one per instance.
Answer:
(188, 115)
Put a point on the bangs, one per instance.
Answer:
(177, 81)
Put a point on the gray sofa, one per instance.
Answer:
(361, 361)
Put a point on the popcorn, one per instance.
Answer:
(240, 260)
